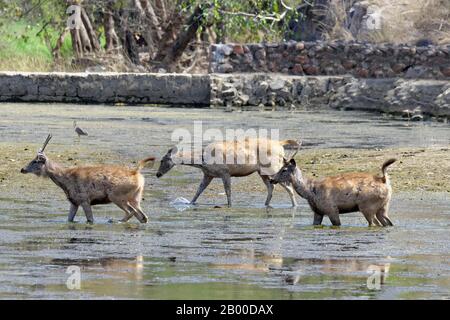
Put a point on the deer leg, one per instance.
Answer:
(383, 217)
(290, 191)
(371, 212)
(138, 213)
(333, 213)
(328, 208)
(317, 219)
(122, 205)
(203, 185)
(88, 212)
(269, 186)
(227, 185)
(72, 212)
(334, 218)
(135, 204)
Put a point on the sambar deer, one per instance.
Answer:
(86, 186)
(248, 149)
(348, 192)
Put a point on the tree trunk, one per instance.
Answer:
(155, 26)
(131, 48)
(112, 40)
(84, 38)
(90, 30)
(56, 50)
(161, 8)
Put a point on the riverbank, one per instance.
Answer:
(418, 169)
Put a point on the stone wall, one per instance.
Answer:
(245, 91)
(411, 97)
(105, 88)
(361, 60)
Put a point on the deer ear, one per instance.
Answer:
(41, 157)
(293, 162)
(285, 161)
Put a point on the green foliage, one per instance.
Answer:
(31, 27)
(252, 20)
(20, 44)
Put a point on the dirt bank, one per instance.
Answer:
(418, 169)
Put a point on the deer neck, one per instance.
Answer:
(302, 185)
(55, 172)
(190, 159)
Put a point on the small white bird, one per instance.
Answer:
(78, 130)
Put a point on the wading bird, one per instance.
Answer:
(80, 132)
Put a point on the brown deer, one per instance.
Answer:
(248, 149)
(86, 186)
(348, 192)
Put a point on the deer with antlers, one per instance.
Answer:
(87, 186)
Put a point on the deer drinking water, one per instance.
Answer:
(86, 186)
(248, 149)
(348, 192)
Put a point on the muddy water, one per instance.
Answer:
(213, 252)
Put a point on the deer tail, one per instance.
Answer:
(143, 162)
(386, 164)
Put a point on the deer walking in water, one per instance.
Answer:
(248, 149)
(87, 186)
(348, 192)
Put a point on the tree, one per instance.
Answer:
(174, 35)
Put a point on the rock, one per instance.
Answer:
(229, 94)
(285, 94)
(311, 70)
(280, 101)
(244, 99)
(349, 64)
(225, 68)
(398, 67)
(297, 69)
(363, 73)
(238, 49)
(301, 59)
(261, 89)
(299, 46)
(227, 50)
(260, 54)
(227, 86)
(446, 71)
(277, 84)
(416, 72)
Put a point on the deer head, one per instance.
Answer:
(37, 164)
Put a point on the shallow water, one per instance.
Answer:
(204, 252)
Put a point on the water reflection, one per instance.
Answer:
(129, 268)
(291, 270)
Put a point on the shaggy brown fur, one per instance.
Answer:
(246, 158)
(348, 192)
(86, 186)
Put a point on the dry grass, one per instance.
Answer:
(418, 169)
(403, 21)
